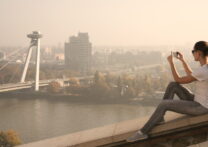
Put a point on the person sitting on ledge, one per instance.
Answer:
(188, 103)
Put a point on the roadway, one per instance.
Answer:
(30, 84)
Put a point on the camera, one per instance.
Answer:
(175, 54)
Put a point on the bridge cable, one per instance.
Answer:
(1, 68)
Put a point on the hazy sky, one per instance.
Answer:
(109, 22)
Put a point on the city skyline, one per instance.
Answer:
(109, 22)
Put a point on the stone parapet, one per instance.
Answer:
(115, 134)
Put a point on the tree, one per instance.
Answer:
(109, 78)
(99, 88)
(54, 87)
(130, 92)
(98, 77)
(148, 84)
(9, 139)
(119, 85)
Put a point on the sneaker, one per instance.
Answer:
(137, 136)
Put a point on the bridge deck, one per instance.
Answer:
(17, 86)
(115, 134)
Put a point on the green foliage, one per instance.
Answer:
(9, 139)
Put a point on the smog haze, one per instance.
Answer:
(108, 22)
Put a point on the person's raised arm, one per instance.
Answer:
(185, 65)
(182, 80)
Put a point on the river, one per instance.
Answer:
(40, 118)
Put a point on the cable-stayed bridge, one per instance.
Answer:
(18, 86)
(34, 44)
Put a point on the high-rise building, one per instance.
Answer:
(78, 52)
(2, 56)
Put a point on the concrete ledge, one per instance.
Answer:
(118, 132)
(203, 144)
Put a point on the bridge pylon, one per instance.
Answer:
(35, 43)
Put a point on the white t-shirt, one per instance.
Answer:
(201, 93)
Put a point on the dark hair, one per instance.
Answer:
(202, 46)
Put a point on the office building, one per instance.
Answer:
(78, 53)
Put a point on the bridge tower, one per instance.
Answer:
(35, 43)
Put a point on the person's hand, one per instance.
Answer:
(180, 56)
(170, 58)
